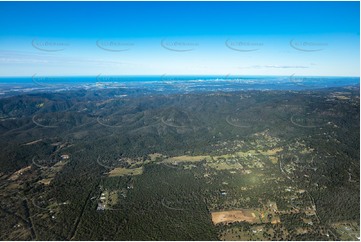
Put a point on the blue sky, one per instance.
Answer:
(194, 38)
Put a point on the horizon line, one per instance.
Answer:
(185, 75)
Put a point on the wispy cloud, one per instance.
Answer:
(275, 67)
(23, 57)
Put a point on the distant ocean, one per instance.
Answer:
(164, 83)
(171, 78)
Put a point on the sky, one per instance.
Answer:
(179, 38)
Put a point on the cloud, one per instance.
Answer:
(23, 57)
(274, 67)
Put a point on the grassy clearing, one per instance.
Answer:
(340, 97)
(120, 171)
(155, 156)
(274, 160)
(51, 173)
(272, 151)
(187, 158)
(46, 181)
(18, 173)
(113, 198)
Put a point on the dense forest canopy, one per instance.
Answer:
(132, 164)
